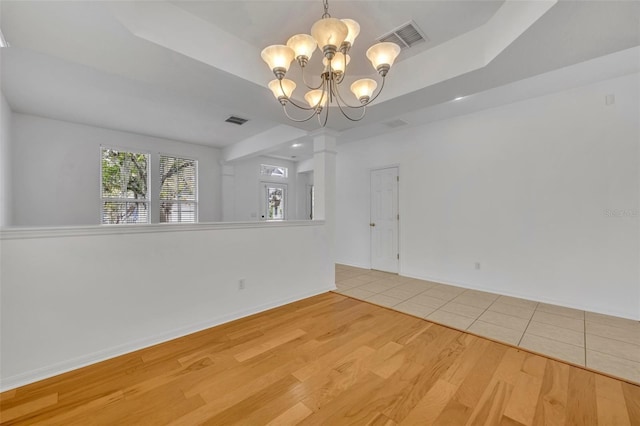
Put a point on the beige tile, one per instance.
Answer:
(507, 321)
(399, 293)
(414, 288)
(556, 333)
(611, 332)
(382, 300)
(377, 286)
(612, 347)
(425, 300)
(561, 310)
(414, 309)
(418, 284)
(449, 319)
(349, 283)
(477, 300)
(482, 294)
(448, 288)
(364, 278)
(553, 348)
(612, 365)
(513, 310)
(613, 321)
(358, 293)
(381, 274)
(464, 310)
(496, 332)
(440, 294)
(519, 303)
(559, 320)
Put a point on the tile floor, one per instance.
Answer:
(601, 342)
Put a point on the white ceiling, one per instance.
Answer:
(82, 62)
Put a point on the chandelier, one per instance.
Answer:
(334, 38)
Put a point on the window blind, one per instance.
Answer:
(178, 190)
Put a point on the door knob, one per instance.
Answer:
(372, 224)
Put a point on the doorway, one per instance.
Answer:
(274, 201)
(385, 219)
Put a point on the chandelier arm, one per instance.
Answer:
(306, 84)
(284, 108)
(339, 96)
(293, 103)
(364, 111)
(326, 117)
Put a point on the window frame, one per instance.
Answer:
(272, 176)
(195, 202)
(103, 199)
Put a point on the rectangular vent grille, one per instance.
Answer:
(396, 123)
(405, 36)
(236, 120)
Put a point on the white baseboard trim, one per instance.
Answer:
(354, 264)
(38, 374)
(549, 300)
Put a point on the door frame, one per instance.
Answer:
(372, 169)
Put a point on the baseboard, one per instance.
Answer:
(548, 300)
(103, 355)
(354, 265)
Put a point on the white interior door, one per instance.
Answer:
(384, 219)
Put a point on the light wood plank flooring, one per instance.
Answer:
(327, 360)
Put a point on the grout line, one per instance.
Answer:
(486, 309)
(529, 323)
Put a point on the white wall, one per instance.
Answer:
(5, 162)
(56, 174)
(244, 189)
(532, 190)
(76, 296)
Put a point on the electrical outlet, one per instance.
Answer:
(477, 265)
(241, 284)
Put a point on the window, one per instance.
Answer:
(274, 171)
(125, 189)
(178, 190)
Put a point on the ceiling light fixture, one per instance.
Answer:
(334, 38)
(296, 145)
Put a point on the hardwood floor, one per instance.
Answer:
(328, 360)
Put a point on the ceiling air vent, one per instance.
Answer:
(396, 123)
(236, 120)
(407, 35)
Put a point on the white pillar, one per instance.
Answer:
(324, 181)
(228, 192)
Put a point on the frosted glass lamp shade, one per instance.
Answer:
(383, 54)
(354, 30)
(337, 63)
(303, 45)
(329, 32)
(278, 56)
(313, 97)
(287, 85)
(364, 88)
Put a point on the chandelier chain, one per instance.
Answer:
(325, 3)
